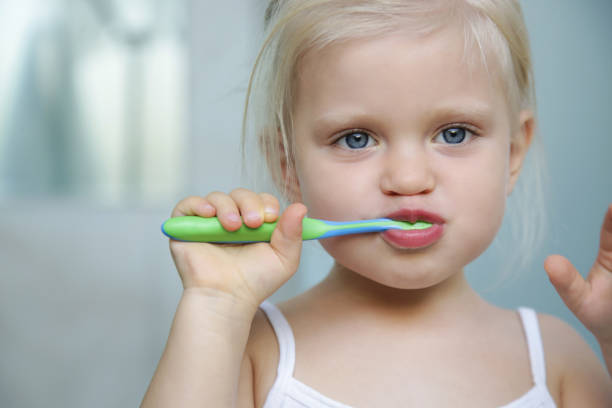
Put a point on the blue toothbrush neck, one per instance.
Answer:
(357, 227)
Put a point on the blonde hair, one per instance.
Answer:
(494, 31)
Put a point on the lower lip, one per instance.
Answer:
(415, 238)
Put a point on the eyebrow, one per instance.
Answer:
(342, 120)
(476, 111)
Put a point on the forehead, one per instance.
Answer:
(397, 71)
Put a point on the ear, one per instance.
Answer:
(519, 145)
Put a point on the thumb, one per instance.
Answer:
(568, 282)
(287, 236)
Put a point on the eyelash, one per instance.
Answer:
(351, 132)
(470, 130)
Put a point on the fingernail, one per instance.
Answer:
(251, 216)
(269, 211)
(233, 217)
(207, 207)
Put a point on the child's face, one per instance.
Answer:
(399, 125)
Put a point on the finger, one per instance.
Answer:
(250, 205)
(271, 207)
(604, 257)
(194, 205)
(287, 236)
(568, 282)
(227, 210)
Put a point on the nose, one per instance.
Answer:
(407, 171)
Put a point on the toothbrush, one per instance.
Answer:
(199, 229)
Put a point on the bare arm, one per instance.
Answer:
(606, 350)
(202, 359)
(203, 362)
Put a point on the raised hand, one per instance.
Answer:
(248, 273)
(589, 299)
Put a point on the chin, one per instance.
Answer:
(405, 279)
(389, 267)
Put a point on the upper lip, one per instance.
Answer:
(414, 215)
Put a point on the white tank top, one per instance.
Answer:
(287, 392)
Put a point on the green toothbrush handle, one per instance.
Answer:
(199, 229)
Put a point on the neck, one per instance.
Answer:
(448, 299)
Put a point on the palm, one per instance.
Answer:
(591, 299)
(251, 272)
(596, 311)
(246, 273)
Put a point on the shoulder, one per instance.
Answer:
(564, 347)
(572, 366)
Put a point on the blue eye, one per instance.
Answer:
(355, 140)
(454, 135)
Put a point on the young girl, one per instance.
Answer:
(415, 110)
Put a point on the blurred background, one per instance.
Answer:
(113, 110)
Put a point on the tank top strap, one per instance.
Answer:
(531, 328)
(286, 341)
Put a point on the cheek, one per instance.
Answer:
(485, 174)
(482, 198)
(334, 193)
(486, 193)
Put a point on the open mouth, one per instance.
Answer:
(416, 215)
(425, 229)
(419, 225)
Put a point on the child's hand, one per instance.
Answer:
(591, 299)
(247, 273)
